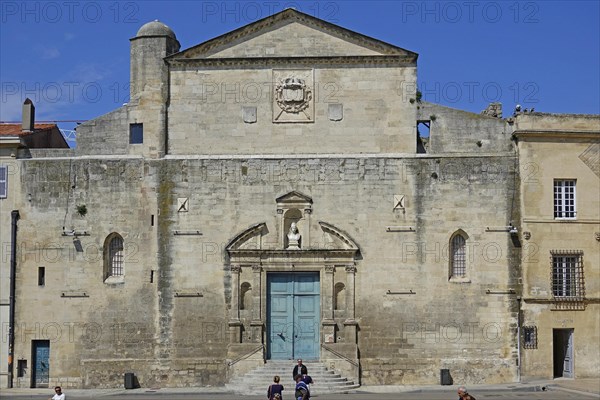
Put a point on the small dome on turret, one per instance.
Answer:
(156, 28)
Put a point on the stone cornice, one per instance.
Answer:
(546, 300)
(539, 220)
(303, 257)
(382, 61)
(524, 134)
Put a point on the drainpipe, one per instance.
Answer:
(14, 215)
(519, 322)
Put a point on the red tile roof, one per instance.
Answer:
(15, 129)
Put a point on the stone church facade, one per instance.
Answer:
(265, 196)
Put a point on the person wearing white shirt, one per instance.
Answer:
(58, 394)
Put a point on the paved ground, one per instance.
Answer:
(559, 389)
(503, 395)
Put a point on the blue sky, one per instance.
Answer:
(72, 57)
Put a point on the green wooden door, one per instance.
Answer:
(293, 309)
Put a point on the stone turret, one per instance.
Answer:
(151, 44)
(149, 88)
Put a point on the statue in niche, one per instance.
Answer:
(293, 237)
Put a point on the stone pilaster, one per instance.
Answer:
(350, 324)
(235, 325)
(256, 325)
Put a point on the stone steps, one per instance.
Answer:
(258, 380)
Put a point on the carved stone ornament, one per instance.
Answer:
(527, 235)
(597, 234)
(350, 268)
(293, 96)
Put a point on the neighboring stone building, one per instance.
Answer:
(15, 142)
(560, 202)
(265, 196)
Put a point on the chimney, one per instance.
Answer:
(28, 116)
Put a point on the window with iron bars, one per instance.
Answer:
(529, 337)
(116, 256)
(459, 256)
(567, 275)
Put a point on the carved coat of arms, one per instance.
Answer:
(293, 97)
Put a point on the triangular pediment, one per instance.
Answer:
(291, 33)
(294, 197)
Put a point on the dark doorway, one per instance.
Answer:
(563, 353)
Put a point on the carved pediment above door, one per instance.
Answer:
(249, 239)
(290, 238)
(336, 238)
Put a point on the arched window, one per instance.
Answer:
(113, 256)
(458, 256)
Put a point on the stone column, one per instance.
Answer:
(328, 322)
(350, 324)
(256, 325)
(282, 232)
(235, 325)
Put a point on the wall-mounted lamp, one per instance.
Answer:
(29, 197)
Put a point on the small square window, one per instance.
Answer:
(136, 133)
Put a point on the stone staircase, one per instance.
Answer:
(258, 380)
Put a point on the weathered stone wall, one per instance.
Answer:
(457, 131)
(107, 134)
(84, 318)
(42, 153)
(144, 327)
(206, 112)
